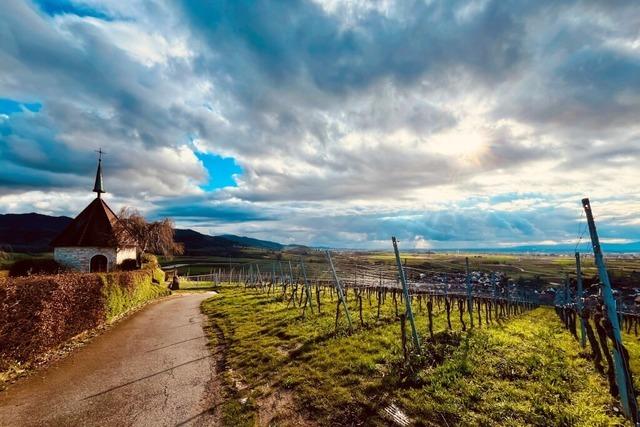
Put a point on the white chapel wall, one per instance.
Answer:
(125, 253)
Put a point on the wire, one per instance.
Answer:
(580, 235)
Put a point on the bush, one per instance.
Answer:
(129, 265)
(149, 260)
(27, 267)
(159, 276)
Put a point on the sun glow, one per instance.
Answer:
(464, 144)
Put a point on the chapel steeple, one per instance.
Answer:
(98, 186)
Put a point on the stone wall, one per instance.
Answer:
(125, 253)
(79, 258)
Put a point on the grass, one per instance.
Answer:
(526, 371)
(8, 258)
(187, 285)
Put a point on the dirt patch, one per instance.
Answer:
(279, 408)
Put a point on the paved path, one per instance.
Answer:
(153, 369)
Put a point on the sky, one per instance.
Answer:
(449, 124)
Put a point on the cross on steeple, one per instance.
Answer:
(98, 187)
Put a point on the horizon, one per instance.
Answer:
(470, 125)
(542, 248)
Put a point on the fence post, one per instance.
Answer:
(407, 299)
(623, 373)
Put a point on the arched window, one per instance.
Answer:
(98, 264)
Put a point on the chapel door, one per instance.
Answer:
(98, 264)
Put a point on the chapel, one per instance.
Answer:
(94, 241)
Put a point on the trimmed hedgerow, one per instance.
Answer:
(38, 313)
(127, 290)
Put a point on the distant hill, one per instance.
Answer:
(33, 232)
(254, 243)
(228, 244)
(30, 232)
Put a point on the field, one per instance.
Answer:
(548, 267)
(282, 368)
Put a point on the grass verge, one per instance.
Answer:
(285, 369)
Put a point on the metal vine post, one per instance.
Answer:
(407, 299)
(623, 373)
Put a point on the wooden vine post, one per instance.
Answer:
(273, 275)
(307, 287)
(407, 299)
(580, 302)
(469, 296)
(339, 290)
(623, 373)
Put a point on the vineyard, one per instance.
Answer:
(521, 368)
(349, 339)
(300, 313)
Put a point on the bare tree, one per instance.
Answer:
(152, 237)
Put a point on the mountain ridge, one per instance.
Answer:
(33, 232)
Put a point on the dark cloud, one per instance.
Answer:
(284, 40)
(200, 210)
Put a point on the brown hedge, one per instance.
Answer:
(38, 313)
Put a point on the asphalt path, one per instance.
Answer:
(152, 369)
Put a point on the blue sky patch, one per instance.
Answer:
(220, 169)
(62, 7)
(10, 106)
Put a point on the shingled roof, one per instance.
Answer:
(95, 226)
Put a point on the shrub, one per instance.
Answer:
(149, 260)
(159, 276)
(129, 265)
(27, 267)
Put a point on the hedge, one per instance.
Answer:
(38, 313)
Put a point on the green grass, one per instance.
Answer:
(7, 259)
(526, 371)
(186, 285)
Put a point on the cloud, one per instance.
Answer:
(444, 122)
